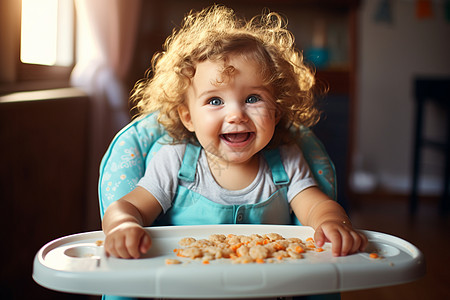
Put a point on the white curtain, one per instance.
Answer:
(106, 38)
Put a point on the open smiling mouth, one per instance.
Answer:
(237, 138)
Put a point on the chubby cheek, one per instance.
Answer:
(267, 133)
(207, 128)
(265, 120)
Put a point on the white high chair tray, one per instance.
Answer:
(76, 264)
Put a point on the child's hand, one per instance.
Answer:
(127, 240)
(344, 239)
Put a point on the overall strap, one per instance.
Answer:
(273, 159)
(189, 164)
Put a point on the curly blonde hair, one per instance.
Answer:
(214, 34)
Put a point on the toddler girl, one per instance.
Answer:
(227, 92)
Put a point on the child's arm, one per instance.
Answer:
(329, 220)
(124, 220)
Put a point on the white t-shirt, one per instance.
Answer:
(161, 178)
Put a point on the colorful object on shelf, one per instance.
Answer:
(424, 9)
(318, 52)
(318, 56)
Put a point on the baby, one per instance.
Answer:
(227, 91)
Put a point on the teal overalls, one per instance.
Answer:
(191, 208)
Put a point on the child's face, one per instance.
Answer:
(232, 116)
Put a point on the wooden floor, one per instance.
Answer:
(427, 230)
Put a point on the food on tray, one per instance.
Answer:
(170, 261)
(244, 249)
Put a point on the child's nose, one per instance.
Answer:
(236, 115)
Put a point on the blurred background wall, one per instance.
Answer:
(396, 45)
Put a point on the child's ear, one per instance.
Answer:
(277, 115)
(185, 117)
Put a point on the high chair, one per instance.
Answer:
(78, 264)
(134, 146)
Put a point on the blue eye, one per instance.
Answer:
(215, 101)
(253, 99)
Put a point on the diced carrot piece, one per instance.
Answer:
(260, 261)
(310, 239)
(206, 262)
(318, 249)
(373, 255)
(299, 249)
